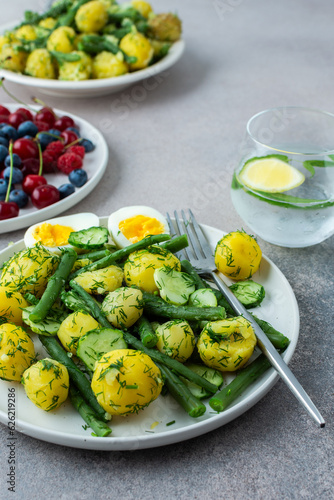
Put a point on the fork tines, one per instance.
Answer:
(199, 246)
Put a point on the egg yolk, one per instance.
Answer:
(136, 228)
(52, 235)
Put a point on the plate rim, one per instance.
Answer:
(169, 60)
(25, 220)
(195, 429)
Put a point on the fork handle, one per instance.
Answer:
(270, 352)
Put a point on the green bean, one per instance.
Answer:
(54, 286)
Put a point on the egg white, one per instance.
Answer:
(126, 213)
(76, 222)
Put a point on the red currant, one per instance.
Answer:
(32, 181)
(25, 148)
(43, 196)
(8, 210)
(64, 122)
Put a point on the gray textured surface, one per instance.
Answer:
(175, 149)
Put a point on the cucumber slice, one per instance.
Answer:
(249, 293)
(175, 286)
(90, 239)
(210, 374)
(50, 324)
(95, 343)
(203, 297)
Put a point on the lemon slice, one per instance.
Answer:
(270, 175)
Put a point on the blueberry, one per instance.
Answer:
(54, 131)
(28, 137)
(19, 197)
(78, 177)
(74, 129)
(87, 144)
(3, 152)
(17, 175)
(46, 138)
(16, 160)
(65, 190)
(9, 132)
(4, 142)
(3, 186)
(27, 128)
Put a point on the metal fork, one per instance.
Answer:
(200, 255)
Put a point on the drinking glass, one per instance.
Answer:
(304, 139)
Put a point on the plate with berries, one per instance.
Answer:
(49, 161)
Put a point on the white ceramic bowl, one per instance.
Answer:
(93, 88)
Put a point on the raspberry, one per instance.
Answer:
(78, 150)
(55, 149)
(49, 163)
(68, 162)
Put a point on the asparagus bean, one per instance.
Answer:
(146, 332)
(155, 306)
(180, 392)
(54, 286)
(246, 376)
(176, 244)
(100, 428)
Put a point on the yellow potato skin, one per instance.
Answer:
(75, 326)
(107, 65)
(236, 346)
(140, 265)
(29, 270)
(46, 384)
(176, 339)
(12, 58)
(137, 45)
(123, 307)
(11, 305)
(40, 64)
(61, 40)
(125, 381)
(26, 32)
(49, 23)
(143, 7)
(238, 255)
(17, 351)
(92, 16)
(101, 281)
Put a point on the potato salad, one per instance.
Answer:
(88, 39)
(123, 320)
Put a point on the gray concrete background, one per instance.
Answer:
(168, 151)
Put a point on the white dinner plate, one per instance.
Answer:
(93, 88)
(152, 426)
(95, 164)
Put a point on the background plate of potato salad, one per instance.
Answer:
(163, 421)
(97, 47)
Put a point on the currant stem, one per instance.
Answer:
(11, 171)
(13, 96)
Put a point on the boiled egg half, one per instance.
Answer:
(131, 224)
(53, 234)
